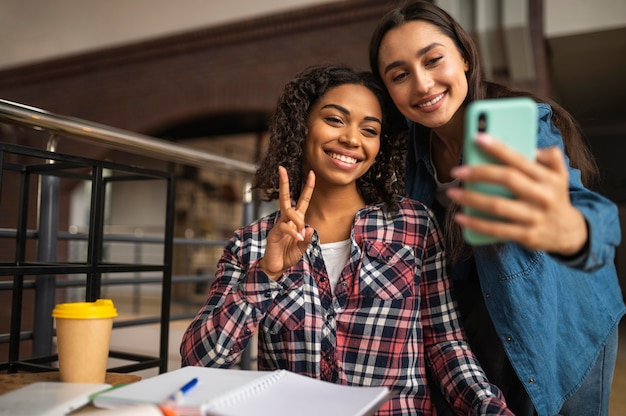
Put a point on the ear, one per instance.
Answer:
(465, 65)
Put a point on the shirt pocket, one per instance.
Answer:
(387, 271)
(287, 312)
(508, 262)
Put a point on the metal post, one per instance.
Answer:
(46, 252)
(137, 275)
(96, 234)
(168, 258)
(248, 213)
(18, 279)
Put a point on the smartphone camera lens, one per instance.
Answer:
(482, 122)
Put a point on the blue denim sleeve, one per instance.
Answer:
(600, 213)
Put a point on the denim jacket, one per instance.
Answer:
(552, 317)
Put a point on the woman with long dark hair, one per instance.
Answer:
(542, 309)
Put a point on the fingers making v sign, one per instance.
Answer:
(290, 238)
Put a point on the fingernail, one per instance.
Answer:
(460, 171)
(453, 193)
(484, 139)
(460, 218)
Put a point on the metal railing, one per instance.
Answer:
(59, 125)
(45, 269)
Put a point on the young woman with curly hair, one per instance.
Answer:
(347, 281)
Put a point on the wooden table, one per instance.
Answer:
(14, 381)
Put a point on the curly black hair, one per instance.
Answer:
(383, 182)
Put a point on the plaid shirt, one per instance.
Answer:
(392, 314)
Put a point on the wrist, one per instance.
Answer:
(578, 242)
(271, 274)
(581, 253)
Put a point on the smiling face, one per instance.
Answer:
(424, 73)
(343, 138)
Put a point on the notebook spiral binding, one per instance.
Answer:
(246, 391)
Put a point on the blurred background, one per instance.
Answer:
(205, 75)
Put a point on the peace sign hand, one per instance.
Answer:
(288, 239)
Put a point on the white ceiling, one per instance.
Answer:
(35, 30)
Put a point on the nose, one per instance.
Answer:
(423, 81)
(350, 136)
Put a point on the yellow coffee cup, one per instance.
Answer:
(83, 338)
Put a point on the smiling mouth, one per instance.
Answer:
(432, 102)
(342, 158)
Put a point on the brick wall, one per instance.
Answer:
(239, 67)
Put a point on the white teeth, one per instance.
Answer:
(343, 158)
(431, 102)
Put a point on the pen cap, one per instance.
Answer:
(167, 411)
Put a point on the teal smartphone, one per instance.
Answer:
(510, 120)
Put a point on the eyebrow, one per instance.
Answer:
(419, 53)
(346, 112)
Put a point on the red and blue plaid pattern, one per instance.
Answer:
(392, 315)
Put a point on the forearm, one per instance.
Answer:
(602, 229)
(223, 327)
(463, 382)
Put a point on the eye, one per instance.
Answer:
(334, 120)
(399, 77)
(433, 61)
(370, 131)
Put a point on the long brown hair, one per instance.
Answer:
(576, 149)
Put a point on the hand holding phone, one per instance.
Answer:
(510, 120)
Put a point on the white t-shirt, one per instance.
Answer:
(336, 257)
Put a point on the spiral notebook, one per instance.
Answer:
(227, 392)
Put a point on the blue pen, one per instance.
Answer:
(178, 394)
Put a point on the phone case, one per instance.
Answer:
(511, 120)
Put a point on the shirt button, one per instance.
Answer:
(247, 331)
(268, 293)
(488, 295)
(322, 279)
(531, 380)
(509, 338)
